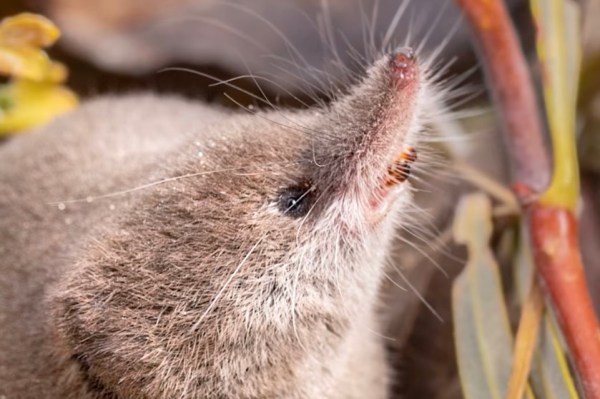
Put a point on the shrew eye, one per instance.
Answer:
(296, 201)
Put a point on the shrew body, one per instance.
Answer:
(156, 248)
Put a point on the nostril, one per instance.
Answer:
(403, 64)
(403, 54)
(408, 52)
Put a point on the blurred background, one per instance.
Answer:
(120, 45)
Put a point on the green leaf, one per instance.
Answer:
(550, 374)
(482, 333)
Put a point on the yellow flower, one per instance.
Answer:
(25, 103)
(34, 95)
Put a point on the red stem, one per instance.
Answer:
(512, 88)
(556, 252)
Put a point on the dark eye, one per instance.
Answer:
(296, 201)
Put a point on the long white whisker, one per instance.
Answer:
(420, 296)
(142, 187)
(394, 24)
(387, 276)
(425, 255)
(226, 284)
(219, 81)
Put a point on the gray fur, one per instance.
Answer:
(198, 285)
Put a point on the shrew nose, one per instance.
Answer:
(403, 65)
(405, 54)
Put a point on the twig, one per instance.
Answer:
(525, 341)
(512, 88)
(557, 257)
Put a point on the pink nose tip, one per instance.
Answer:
(403, 65)
(403, 54)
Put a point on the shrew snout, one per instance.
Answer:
(369, 145)
(403, 65)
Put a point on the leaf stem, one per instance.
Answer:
(529, 326)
